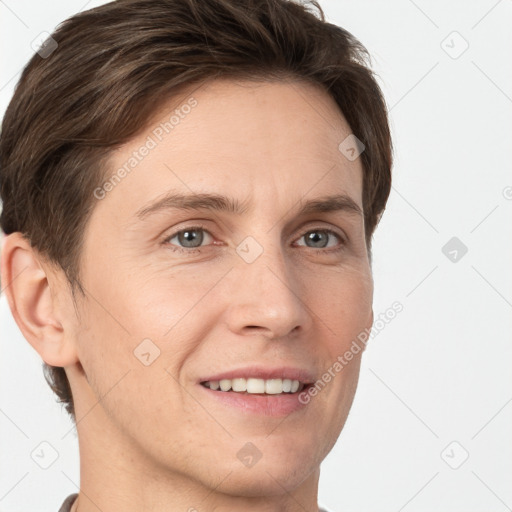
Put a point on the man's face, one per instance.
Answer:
(213, 290)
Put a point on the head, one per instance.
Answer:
(176, 181)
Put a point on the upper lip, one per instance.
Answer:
(264, 372)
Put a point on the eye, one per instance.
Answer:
(321, 239)
(194, 237)
(189, 238)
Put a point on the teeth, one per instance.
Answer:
(274, 386)
(239, 385)
(225, 384)
(256, 386)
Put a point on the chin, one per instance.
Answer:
(265, 479)
(278, 464)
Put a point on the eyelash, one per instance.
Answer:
(189, 250)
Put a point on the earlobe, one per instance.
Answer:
(32, 303)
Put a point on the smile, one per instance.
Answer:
(256, 386)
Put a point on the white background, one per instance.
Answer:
(441, 370)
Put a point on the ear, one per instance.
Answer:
(32, 292)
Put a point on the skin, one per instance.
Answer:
(148, 431)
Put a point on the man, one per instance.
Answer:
(189, 191)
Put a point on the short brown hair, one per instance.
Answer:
(110, 71)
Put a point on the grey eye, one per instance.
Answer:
(190, 238)
(320, 238)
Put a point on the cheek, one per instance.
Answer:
(161, 296)
(130, 372)
(105, 346)
(344, 305)
(345, 311)
(150, 321)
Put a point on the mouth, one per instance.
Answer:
(259, 389)
(258, 397)
(256, 386)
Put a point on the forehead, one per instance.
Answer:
(240, 139)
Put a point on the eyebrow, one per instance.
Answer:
(220, 203)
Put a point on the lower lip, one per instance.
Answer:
(267, 405)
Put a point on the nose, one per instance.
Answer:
(267, 297)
